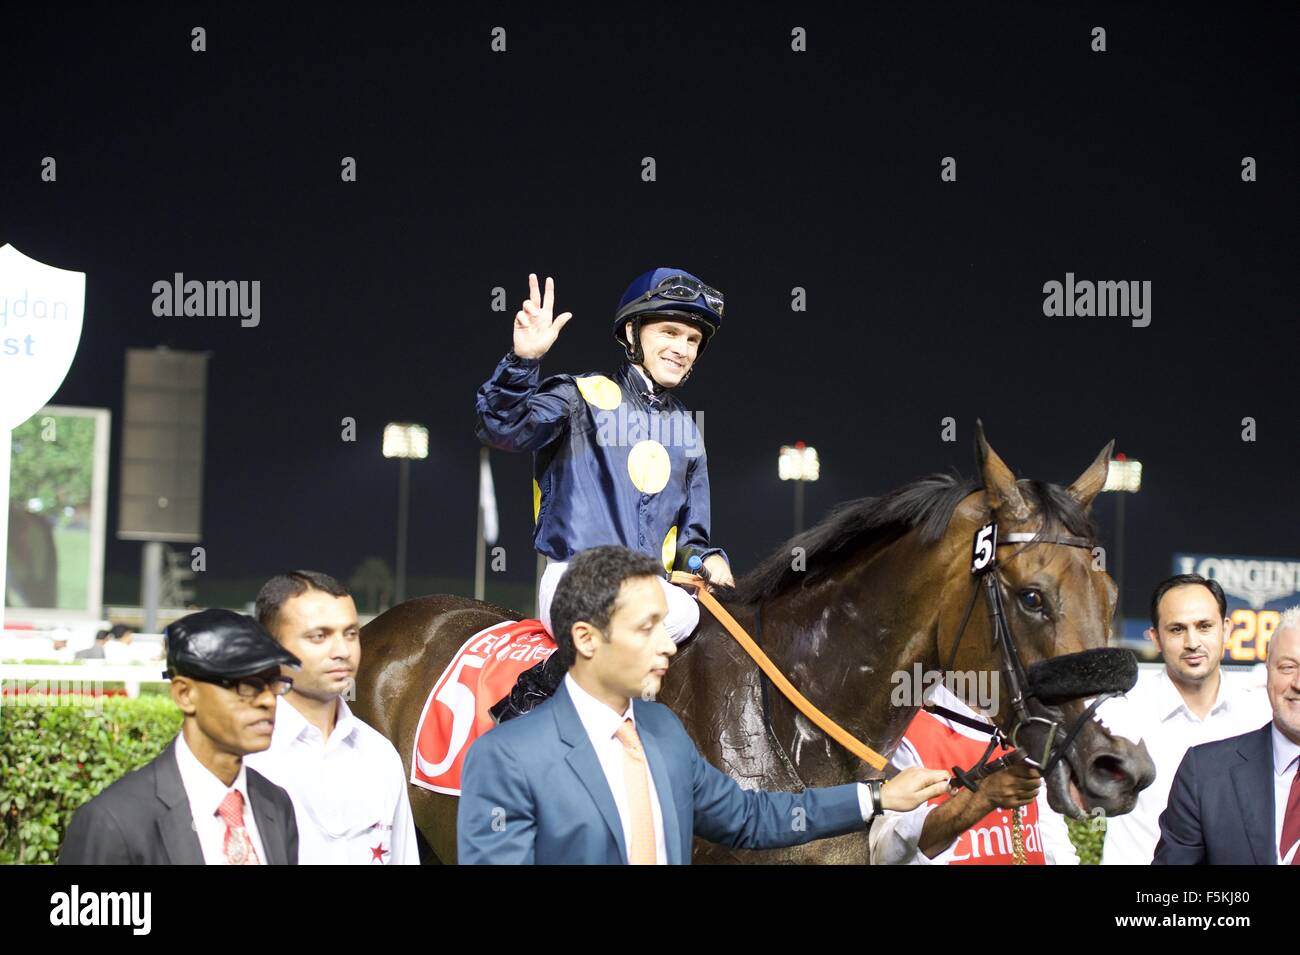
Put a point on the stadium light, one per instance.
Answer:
(407, 442)
(1123, 475)
(798, 462)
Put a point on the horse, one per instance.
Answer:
(843, 609)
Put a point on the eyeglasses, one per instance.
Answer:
(681, 288)
(251, 687)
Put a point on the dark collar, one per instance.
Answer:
(654, 395)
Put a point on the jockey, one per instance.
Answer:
(616, 460)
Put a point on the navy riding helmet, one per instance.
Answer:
(667, 293)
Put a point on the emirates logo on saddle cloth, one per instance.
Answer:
(482, 672)
(989, 841)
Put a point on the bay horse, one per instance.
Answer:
(878, 586)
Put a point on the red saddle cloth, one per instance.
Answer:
(482, 673)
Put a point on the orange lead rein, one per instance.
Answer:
(801, 702)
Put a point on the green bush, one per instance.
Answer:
(57, 754)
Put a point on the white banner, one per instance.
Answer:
(41, 309)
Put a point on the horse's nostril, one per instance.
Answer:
(1109, 767)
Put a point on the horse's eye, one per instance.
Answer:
(1032, 600)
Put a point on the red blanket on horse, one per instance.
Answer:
(481, 673)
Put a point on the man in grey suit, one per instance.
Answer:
(1237, 801)
(197, 803)
(568, 782)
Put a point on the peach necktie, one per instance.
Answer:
(642, 849)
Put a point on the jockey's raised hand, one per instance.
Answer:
(535, 329)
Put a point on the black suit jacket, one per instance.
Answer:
(144, 819)
(1220, 809)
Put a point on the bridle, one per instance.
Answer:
(984, 568)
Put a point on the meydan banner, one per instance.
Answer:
(41, 309)
(1258, 590)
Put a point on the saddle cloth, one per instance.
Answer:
(482, 673)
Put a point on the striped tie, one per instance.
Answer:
(642, 849)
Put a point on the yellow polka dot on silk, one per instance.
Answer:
(600, 391)
(670, 548)
(648, 465)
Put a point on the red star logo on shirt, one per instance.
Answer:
(378, 852)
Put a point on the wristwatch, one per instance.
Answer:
(877, 803)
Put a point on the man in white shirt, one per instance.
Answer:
(346, 780)
(1237, 801)
(1187, 704)
(599, 774)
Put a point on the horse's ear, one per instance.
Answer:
(999, 483)
(1089, 484)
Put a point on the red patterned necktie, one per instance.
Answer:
(1291, 821)
(237, 846)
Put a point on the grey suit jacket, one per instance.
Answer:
(144, 819)
(1220, 809)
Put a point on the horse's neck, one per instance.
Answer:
(848, 641)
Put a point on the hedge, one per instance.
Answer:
(57, 753)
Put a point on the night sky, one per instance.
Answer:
(775, 169)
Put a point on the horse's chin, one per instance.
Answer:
(1064, 794)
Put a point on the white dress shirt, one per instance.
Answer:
(348, 791)
(601, 723)
(896, 836)
(1157, 712)
(1285, 755)
(205, 793)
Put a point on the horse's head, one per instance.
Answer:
(1057, 599)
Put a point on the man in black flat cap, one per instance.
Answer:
(197, 803)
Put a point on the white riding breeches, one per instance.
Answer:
(683, 611)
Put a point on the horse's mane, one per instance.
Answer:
(926, 505)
